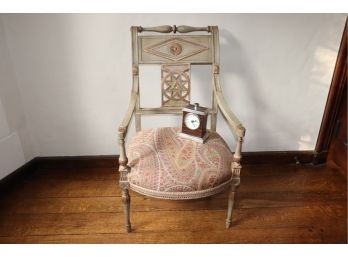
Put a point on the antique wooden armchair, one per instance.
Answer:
(160, 163)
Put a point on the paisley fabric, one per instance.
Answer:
(162, 161)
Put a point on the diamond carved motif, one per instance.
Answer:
(175, 49)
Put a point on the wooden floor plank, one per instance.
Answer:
(143, 203)
(300, 181)
(275, 204)
(236, 235)
(76, 173)
(66, 223)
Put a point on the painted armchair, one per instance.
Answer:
(159, 163)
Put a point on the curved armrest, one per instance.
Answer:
(129, 114)
(231, 119)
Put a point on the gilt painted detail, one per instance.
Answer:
(176, 49)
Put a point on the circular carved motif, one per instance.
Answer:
(175, 49)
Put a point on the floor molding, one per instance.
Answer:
(111, 161)
(19, 173)
(278, 157)
(89, 161)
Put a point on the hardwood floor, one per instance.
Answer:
(275, 204)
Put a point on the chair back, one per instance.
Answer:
(175, 48)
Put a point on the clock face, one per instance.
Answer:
(192, 121)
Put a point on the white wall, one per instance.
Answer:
(16, 146)
(74, 75)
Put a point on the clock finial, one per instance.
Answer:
(196, 106)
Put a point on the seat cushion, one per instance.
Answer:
(165, 165)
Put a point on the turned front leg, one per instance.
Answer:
(236, 168)
(231, 197)
(124, 184)
(230, 207)
(126, 207)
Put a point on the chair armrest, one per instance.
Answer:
(231, 119)
(122, 132)
(129, 114)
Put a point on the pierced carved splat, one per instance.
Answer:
(176, 85)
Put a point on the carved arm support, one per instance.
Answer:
(122, 132)
(129, 114)
(237, 129)
(236, 165)
(231, 119)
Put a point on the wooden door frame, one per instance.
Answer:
(333, 101)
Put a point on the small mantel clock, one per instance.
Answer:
(194, 123)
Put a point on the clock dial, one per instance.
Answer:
(192, 121)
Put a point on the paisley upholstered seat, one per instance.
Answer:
(165, 165)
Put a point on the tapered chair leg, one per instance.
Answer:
(126, 206)
(230, 207)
